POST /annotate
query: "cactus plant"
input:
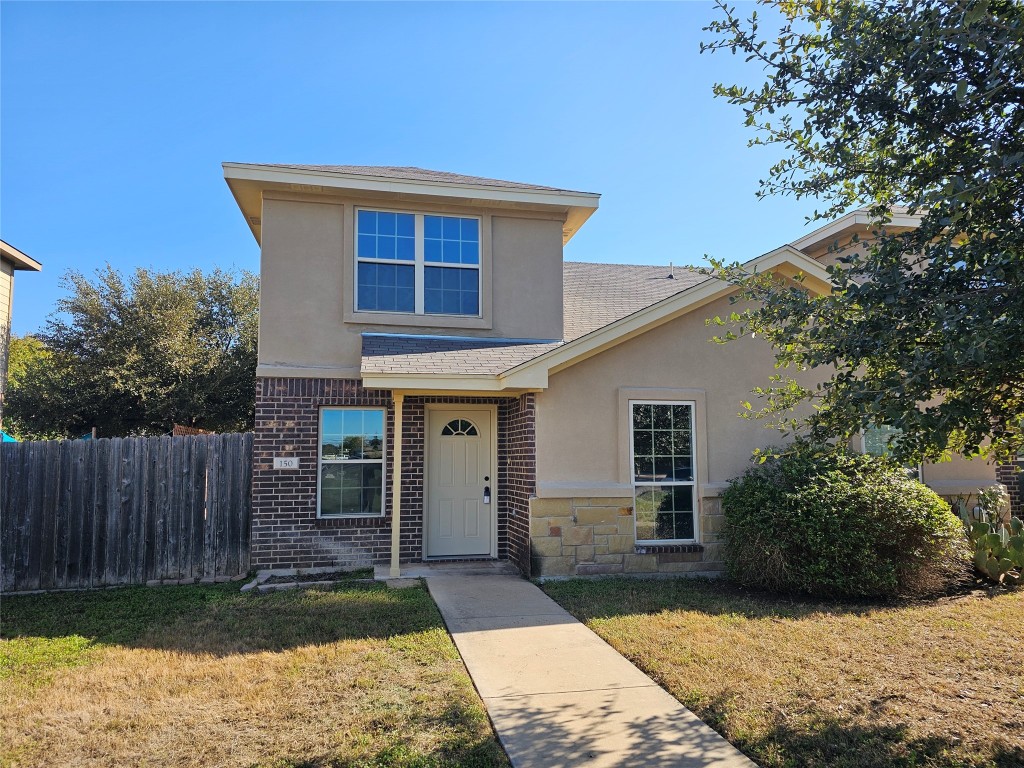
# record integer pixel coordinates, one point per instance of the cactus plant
(997, 538)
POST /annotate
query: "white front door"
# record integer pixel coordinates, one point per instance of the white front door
(460, 484)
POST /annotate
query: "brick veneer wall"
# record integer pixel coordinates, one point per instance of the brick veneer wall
(286, 532)
(517, 475)
(1012, 476)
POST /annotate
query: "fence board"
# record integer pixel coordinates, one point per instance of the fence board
(81, 514)
(100, 482)
(10, 531)
(50, 497)
(212, 516)
(245, 533)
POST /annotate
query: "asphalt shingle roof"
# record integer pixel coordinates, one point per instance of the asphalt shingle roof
(410, 173)
(598, 294)
(405, 354)
(595, 295)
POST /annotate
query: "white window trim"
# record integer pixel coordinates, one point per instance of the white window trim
(419, 263)
(692, 483)
(320, 461)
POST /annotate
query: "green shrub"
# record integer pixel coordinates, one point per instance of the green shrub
(833, 523)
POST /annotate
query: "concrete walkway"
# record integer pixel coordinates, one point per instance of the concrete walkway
(557, 694)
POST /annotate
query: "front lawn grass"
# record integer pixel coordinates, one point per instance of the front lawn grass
(803, 683)
(205, 676)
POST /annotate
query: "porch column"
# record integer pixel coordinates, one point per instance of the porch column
(396, 486)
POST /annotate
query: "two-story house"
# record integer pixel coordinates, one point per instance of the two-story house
(435, 383)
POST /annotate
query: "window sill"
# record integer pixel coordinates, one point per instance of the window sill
(662, 549)
(362, 521)
(410, 320)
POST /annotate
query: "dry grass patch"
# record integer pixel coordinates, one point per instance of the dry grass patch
(206, 676)
(791, 683)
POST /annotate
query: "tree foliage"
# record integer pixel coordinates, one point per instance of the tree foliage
(135, 355)
(911, 105)
(24, 352)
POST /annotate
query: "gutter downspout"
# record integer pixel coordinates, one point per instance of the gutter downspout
(396, 487)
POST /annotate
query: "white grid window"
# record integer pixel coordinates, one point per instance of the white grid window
(351, 462)
(423, 264)
(662, 459)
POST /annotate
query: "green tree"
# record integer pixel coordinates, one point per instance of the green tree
(24, 351)
(134, 355)
(878, 104)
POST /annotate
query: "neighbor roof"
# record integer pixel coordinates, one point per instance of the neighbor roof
(412, 173)
(17, 258)
(594, 296)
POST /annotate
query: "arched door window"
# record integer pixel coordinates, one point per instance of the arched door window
(459, 428)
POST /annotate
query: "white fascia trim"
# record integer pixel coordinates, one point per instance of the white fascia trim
(18, 259)
(668, 309)
(857, 218)
(467, 382)
(335, 180)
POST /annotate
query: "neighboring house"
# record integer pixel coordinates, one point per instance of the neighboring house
(426, 356)
(11, 259)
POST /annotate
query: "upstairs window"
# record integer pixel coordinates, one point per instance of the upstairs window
(421, 264)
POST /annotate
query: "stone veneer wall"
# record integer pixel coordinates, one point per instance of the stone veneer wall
(286, 532)
(595, 536)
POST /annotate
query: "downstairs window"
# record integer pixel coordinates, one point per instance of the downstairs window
(351, 462)
(662, 456)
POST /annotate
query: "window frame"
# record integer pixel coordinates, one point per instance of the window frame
(692, 483)
(320, 461)
(419, 264)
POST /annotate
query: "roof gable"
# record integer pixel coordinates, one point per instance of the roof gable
(538, 361)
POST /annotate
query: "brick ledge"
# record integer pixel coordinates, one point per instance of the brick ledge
(352, 522)
(662, 549)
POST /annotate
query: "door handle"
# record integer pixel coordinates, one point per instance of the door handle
(487, 494)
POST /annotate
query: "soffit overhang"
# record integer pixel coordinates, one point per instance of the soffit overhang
(249, 182)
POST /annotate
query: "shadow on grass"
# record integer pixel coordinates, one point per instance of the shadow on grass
(608, 598)
(838, 744)
(218, 619)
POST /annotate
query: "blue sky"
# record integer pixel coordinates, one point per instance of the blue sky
(115, 117)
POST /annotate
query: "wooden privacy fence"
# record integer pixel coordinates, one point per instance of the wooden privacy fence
(91, 513)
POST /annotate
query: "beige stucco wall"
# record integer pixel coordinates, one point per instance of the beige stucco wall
(582, 447)
(307, 316)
